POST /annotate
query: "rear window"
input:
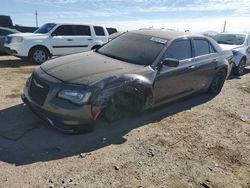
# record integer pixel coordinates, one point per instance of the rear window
(83, 30)
(99, 31)
(111, 30)
(202, 47)
(179, 50)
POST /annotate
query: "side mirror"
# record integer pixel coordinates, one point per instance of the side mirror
(170, 62)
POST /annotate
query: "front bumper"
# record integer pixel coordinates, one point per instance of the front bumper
(17, 49)
(59, 112)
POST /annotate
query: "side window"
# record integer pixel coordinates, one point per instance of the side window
(82, 30)
(211, 48)
(99, 31)
(4, 32)
(179, 50)
(64, 30)
(201, 47)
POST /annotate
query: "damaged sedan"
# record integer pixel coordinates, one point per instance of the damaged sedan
(134, 72)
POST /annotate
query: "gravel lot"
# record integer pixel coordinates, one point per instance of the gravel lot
(200, 142)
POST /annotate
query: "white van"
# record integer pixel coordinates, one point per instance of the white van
(55, 39)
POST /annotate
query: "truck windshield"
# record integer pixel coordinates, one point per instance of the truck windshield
(231, 39)
(45, 28)
(134, 48)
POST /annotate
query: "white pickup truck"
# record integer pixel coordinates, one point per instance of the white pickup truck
(55, 39)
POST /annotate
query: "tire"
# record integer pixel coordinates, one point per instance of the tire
(239, 70)
(122, 105)
(95, 47)
(38, 55)
(218, 81)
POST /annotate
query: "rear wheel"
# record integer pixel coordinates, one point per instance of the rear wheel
(38, 55)
(218, 81)
(239, 70)
(122, 105)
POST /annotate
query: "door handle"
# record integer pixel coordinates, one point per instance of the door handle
(191, 67)
(90, 39)
(69, 39)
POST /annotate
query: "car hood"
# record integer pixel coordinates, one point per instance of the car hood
(229, 47)
(87, 68)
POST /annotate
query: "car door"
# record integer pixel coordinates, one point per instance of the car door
(172, 83)
(69, 39)
(206, 59)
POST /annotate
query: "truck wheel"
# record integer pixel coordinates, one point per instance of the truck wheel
(218, 81)
(239, 70)
(38, 55)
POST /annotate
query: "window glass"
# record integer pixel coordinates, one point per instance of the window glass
(45, 28)
(211, 48)
(201, 47)
(133, 48)
(64, 30)
(179, 50)
(99, 31)
(82, 30)
(111, 30)
(231, 39)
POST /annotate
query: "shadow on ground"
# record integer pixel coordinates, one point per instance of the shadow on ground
(232, 77)
(9, 61)
(25, 139)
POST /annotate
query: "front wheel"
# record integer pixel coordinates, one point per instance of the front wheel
(122, 105)
(239, 70)
(38, 55)
(218, 81)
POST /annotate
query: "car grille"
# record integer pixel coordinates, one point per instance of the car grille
(38, 90)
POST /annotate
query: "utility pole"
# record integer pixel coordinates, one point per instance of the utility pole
(36, 18)
(224, 27)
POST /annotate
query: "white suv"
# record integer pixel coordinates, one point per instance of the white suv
(56, 39)
(239, 43)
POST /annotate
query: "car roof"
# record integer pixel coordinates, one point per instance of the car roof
(166, 34)
(77, 24)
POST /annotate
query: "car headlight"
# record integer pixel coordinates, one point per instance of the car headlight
(16, 39)
(75, 97)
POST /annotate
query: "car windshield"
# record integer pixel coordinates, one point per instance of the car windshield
(45, 28)
(134, 48)
(232, 39)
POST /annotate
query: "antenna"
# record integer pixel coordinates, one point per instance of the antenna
(36, 18)
(224, 26)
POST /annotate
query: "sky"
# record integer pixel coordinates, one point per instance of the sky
(196, 16)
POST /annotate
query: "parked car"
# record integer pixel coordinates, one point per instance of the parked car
(136, 71)
(239, 43)
(3, 33)
(56, 39)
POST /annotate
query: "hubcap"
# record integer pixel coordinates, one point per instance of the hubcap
(242, 66)
(39, 56)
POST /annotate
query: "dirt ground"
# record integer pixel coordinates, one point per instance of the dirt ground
(200, 142)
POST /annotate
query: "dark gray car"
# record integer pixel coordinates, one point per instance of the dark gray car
(134, 72)
(3, 33)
